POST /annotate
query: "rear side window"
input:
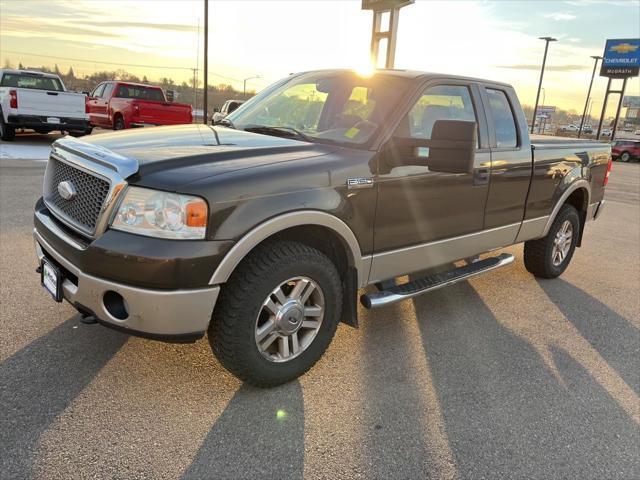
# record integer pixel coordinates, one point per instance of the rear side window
(140, 93)
(503, 121)
(34, 82)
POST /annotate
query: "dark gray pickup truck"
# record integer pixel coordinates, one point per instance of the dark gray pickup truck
(261, 230)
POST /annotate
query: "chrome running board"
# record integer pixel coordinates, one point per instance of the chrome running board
(422, 285)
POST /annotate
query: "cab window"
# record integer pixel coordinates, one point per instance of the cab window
(441, 102)
(503, 121)
(98, 91)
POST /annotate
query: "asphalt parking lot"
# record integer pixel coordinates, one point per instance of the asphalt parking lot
(504, 376)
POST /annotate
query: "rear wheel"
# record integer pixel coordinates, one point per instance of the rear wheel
(118, 123)
(549, 256)
(625, 156)
(7, 132)
(277, 313)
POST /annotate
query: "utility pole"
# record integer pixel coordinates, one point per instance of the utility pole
(544, 61)
(206, 59)
(586, 103)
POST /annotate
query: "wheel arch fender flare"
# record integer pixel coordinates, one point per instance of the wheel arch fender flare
(282, 222)
(577, 184)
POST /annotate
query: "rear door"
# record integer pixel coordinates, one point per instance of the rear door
(422, 215)
(511, 157)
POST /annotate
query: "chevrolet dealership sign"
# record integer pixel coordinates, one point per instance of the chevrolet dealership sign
(621, 58)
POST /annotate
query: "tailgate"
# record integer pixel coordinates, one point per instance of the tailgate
(51, 104)
(164, 113)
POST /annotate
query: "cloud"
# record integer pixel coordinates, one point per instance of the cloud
(550, 68)
(559, 16)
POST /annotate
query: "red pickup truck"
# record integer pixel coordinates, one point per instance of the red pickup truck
(121, 105)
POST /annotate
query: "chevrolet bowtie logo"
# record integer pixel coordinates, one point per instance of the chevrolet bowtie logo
(624, 48)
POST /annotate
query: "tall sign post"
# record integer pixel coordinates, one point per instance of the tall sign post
(586, 103)
(380, 32)
(621, 60)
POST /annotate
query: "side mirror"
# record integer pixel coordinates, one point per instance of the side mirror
(216, 110)
(217, 116)
(451, 148)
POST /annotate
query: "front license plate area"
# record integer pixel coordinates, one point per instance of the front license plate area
(51, 280)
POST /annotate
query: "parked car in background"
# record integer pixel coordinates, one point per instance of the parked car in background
(121, 105)
(263, 229)
(637, 132)
(606, 132)
(569, 128)
(588, 129)
(39, 101)
(625, 150)
(228, 107)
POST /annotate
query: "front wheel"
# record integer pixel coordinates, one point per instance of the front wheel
(277, 313)
(625, 157)
(549, 256)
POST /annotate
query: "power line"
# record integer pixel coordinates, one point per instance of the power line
(96, 61)
(119, 64)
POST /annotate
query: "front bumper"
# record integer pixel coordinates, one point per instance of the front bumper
(35, 121)
(171, 315)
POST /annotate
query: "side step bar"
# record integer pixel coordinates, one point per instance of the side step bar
(433, 282)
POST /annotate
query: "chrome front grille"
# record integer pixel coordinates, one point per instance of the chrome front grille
(82, 211)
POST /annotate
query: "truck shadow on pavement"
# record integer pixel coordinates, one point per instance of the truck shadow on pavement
(504, 413)
(260, 434)
(612, 335)
(38, 382)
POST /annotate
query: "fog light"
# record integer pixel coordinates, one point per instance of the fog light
(115, 304)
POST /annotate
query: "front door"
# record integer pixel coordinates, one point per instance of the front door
(423, 218)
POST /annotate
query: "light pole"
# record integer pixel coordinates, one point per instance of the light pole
(544, 61)
(244, 85)
(595, 64)
(543, 104)
(205, 105)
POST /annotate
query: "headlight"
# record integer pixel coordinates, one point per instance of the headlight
(161, 214)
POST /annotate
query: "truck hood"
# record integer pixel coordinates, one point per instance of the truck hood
(168, 157)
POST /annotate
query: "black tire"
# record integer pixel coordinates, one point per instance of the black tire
(118, 123)
(232, 332)
(538, 254)
(7, 132)
(625, 156)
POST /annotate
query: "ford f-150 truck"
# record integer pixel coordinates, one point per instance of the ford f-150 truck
(262, 230)
(39, 101)
(121, 105)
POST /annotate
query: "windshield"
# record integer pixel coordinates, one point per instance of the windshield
(332, 107)
(31, 81)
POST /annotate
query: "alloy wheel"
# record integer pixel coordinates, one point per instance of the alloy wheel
(562, 243)
(289, 319)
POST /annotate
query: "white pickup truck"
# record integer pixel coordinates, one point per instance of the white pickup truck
(39, 101)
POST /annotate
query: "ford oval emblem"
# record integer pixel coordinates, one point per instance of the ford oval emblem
(67, 190)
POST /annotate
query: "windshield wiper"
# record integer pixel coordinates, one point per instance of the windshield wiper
(269, 130)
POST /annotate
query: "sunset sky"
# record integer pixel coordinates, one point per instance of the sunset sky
(489, 39)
